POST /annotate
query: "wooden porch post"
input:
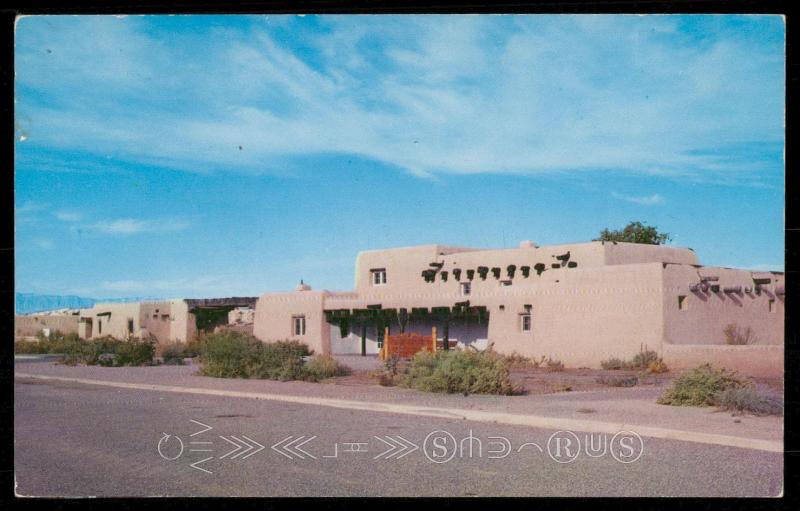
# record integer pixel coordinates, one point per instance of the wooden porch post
(364, 340)
(386, 352)
(433, 339)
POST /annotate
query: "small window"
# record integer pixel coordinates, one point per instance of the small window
(130, 326)
(502, 307)
(466, 288)
(772, 305)
(165, 317)
(378, 276)
(99, 326)
(525, 322)
(682, 302)
(505, 282)
(299, 325)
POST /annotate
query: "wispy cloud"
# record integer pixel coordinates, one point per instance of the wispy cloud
(44, 243)
(213, 285)
(453, 94)
(643, 200)
(68, 216)
(130, 226)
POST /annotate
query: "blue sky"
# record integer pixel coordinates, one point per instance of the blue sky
(190, 156)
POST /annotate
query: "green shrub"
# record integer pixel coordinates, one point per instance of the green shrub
(134, 352)
(28, 347)
(173, 353)
(749, 399)
(230, 354)
(323, 366)
(459, 371)
(700, 386)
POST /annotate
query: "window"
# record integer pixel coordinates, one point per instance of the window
(130, 326)
(466, 288)
(525, 322)
(378, 276)
(772, 305)
(99, 326)
(299, 325)
(505, 282)
(682, 302)
(165, 317)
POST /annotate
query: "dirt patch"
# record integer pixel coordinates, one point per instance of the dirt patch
(542, 381)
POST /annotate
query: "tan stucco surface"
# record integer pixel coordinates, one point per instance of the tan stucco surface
(602, 300)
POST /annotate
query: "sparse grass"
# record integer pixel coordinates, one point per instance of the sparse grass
(554, 366)
(644, 360)
(459, 371)
(618, 381)
(737, 336)
(701, 386)
(749, 400)
(321, 367)
(614, 364)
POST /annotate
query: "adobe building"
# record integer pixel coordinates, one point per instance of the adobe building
(162, 321)
(580, 303)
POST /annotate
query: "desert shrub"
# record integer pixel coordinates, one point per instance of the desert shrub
(173, 353)
(554, 365)
(134, 352)
(749, 399)
(459, 371)
(657, 367)
(194, 346)
(700, 386)
(643, 359)
(618, 381)
(106, 351)
(231, 354)
(28, 347)
(228, 354)
(613, 363)
(737, 336)
(321, 367)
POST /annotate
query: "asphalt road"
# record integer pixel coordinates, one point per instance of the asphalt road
(81, 440)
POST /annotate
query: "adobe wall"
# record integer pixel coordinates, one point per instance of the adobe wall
(273, 319)
(706, 313)
(31, 325)
(756, 360)
(583, 316)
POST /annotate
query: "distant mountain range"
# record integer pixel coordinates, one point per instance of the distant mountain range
(28, 303)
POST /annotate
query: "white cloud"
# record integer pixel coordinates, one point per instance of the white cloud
(644, 200)
(68, 216)
(453, 94)
(129, 226)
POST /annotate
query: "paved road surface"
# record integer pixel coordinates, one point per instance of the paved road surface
(81, 440)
